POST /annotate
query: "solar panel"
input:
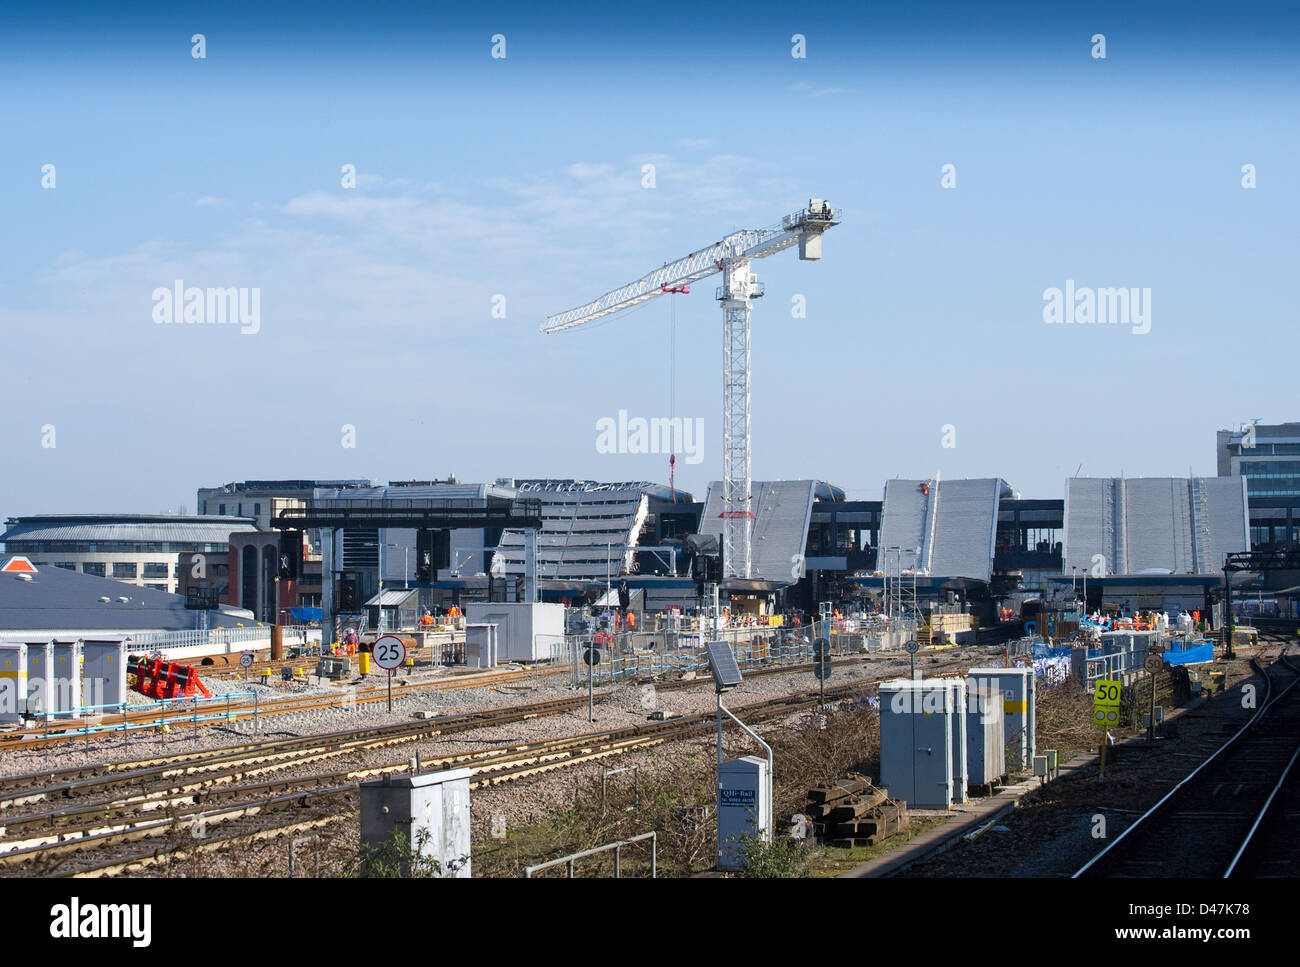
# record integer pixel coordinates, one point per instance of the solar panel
(726, 673)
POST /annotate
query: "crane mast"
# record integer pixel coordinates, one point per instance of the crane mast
(736, 295)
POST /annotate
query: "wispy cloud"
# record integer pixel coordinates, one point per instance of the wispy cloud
(803, 87)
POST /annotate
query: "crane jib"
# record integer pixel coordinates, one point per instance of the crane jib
(675, 276)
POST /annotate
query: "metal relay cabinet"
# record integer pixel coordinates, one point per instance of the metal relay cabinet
(960, 758)
(104, 668)
(66, 678)
(481, 645)
(916, 741)
(1018, 689)
(41, 699)
(13, 682)
(986, 746)
(431, 811)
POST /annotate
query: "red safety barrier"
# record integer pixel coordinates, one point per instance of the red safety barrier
(165, 679)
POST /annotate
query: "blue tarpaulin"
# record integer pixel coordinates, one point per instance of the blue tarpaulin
(305, 614)
(1191, 656)
(1041, 650)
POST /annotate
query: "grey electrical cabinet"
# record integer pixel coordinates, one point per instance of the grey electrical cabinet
(916, 741)
(481, 645)
(960, 763)
(1019, 723)
(429, 811)
(13, 682)
(104, 668)
(40, 679)
(67, 678)
(986, 757)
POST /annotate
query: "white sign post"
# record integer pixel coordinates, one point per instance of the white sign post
(388, 652)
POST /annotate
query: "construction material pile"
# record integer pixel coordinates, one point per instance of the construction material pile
(852, 812)
(164, 679)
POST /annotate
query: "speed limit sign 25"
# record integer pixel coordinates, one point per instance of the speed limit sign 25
(388, 652)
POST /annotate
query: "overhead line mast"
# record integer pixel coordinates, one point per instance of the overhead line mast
(739, 289)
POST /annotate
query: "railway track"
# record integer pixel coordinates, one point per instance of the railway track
(243, 710)
(250, 758)
(1226, 811)
(162, 804)
(262, 756)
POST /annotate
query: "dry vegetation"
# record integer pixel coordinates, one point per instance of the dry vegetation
(675, 798)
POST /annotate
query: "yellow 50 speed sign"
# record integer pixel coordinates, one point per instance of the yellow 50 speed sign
(1105, 703)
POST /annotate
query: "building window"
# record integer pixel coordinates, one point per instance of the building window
(157, 587)
(257, 509)
(93, 568)
(222, 509)
(67, 565)
(155, 570)
(125, 570)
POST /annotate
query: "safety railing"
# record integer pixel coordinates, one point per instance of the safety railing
(220, 638)
(616, 848)
(1104, 667)
(194, 710)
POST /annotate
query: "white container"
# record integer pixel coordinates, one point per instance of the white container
(525, 632)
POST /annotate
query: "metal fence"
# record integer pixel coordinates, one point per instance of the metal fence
(1127, 660)
(679, 648)
(222, 639)
(194, 710)
(617, 849)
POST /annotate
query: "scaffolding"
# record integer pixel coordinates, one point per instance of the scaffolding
(900, 586)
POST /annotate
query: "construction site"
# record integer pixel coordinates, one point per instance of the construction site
(463, 666)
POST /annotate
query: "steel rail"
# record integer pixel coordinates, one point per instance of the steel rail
(1269, 701)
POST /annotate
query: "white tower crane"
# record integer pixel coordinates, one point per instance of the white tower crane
(739, 288)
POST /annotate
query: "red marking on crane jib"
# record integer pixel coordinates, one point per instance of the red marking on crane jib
(735, 513)
(683, 289)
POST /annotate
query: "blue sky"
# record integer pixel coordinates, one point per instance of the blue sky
(522, 177)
